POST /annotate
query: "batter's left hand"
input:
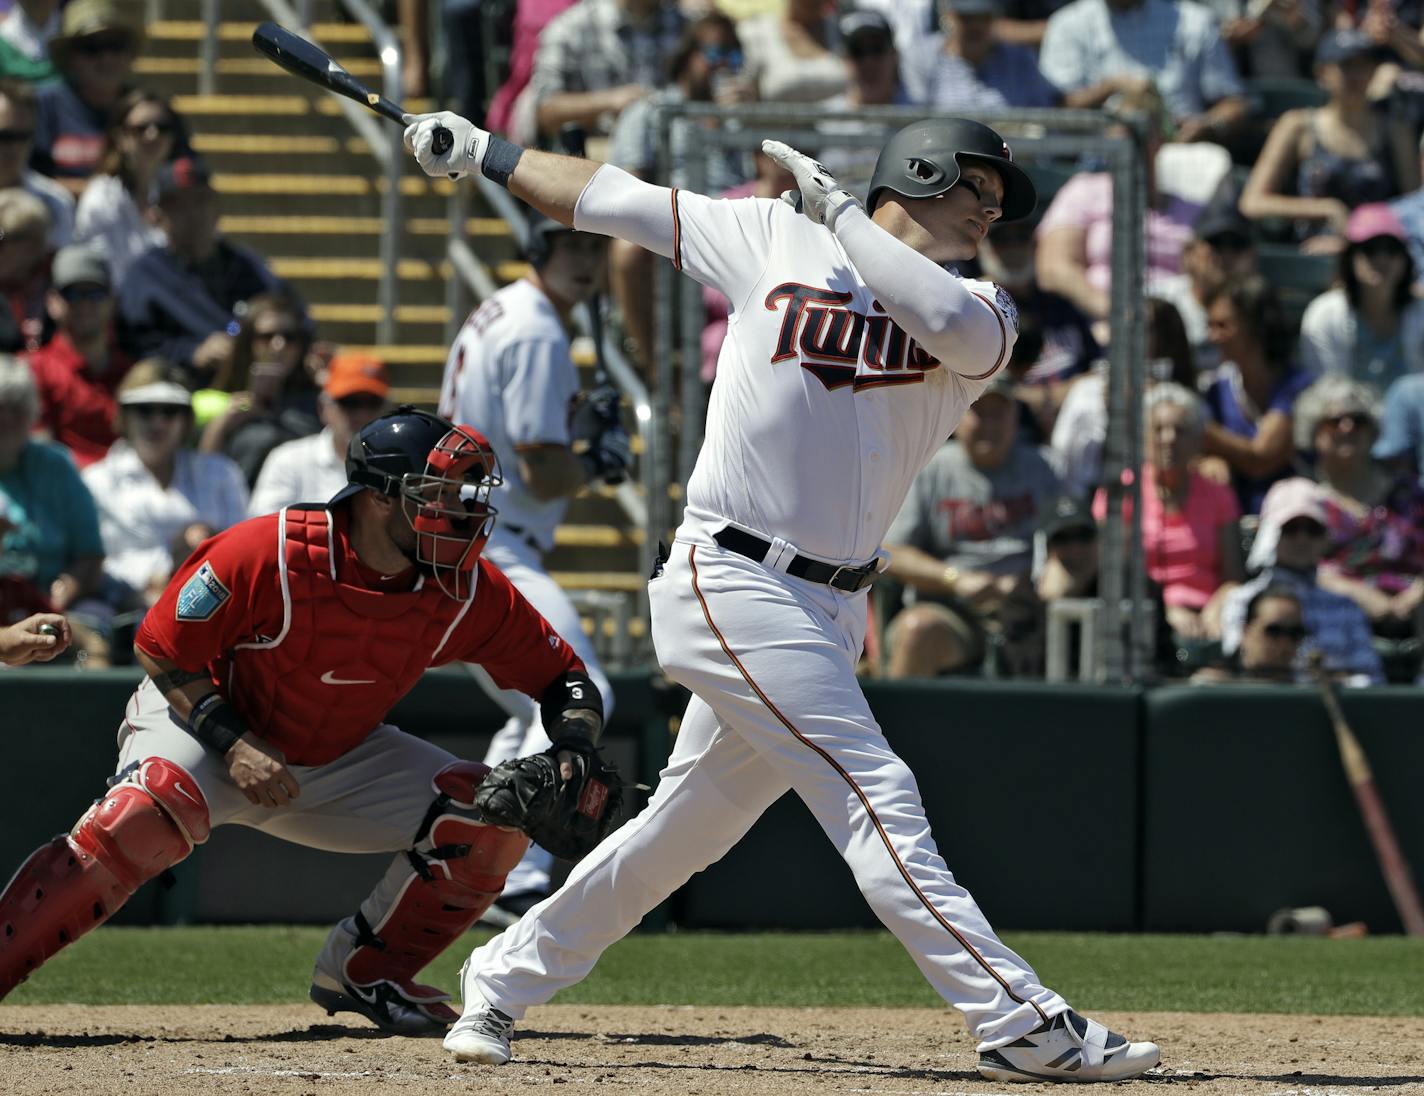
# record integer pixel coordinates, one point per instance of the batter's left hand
(820, 197)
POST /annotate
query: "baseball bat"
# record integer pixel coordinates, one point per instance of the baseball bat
(312, 63)
(1361, 777)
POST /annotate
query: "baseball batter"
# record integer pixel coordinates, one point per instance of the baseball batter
(850, 356)
(510, 373)
(271, 657)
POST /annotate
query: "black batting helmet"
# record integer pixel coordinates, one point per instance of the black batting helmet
(542, 231)
(443, 473)
(923, 160)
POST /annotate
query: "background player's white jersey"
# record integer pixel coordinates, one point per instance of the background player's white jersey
(824, 409)
(509, 375)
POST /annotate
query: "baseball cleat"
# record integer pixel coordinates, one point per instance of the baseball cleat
(413, 1010)
(1069, 1048)
(482, 1033)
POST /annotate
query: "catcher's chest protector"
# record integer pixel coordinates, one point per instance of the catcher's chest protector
(346, 655)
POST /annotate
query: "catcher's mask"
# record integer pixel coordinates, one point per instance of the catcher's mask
(443, 475)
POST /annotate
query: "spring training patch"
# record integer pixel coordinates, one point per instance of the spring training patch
(1007, 306)
(202, 595)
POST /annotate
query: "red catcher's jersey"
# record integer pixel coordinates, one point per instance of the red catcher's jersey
(276, 610)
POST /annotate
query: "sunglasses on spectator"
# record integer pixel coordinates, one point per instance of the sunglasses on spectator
(361, 401)
(1085, 535)
(1230, 241)
(875, 47)
(16, 136)
(721, 55)
(143, 129)
(1294, 632)
(1298, 526)
(96, 44)
(1354, 418)
(1381, 247)
(156, 410)
(290, 334)
(76, 293)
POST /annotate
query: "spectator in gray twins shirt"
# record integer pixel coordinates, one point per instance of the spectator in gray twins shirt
(963, 545)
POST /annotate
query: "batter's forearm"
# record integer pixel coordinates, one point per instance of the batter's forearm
(929, 303)
(551, 183)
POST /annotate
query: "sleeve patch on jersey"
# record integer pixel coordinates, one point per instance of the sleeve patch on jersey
(202, 595)
(1006, 305)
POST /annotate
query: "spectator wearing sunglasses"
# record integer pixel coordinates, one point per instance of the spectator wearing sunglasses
(272, 385)
(1270, 642)
(705, 67)
(968, 68)
(1375, 555)
(17, 135)
(313, 468)
(1291, 542)
(1222, 249)
(181, 301)
(157, 498)
(94, 54)
(1371, 325)
(78, 371)
(115, 211)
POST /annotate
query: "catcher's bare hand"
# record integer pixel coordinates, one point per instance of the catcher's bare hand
(259, 769)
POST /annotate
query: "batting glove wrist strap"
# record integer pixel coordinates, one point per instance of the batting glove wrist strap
(213, 723)
(500, 159)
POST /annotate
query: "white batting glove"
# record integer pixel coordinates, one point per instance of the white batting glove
(465, 154)
(819, 196)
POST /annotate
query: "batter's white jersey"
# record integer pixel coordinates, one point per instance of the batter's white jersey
(510, 376)
(824, 409)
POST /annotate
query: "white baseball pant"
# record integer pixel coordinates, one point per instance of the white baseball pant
(771, 661)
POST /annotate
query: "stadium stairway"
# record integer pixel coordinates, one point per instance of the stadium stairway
(297, 184)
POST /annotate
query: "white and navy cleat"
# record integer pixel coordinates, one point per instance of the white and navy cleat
(1068, 1048)
(482, 1033)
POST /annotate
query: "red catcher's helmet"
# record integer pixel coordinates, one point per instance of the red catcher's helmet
(443, 475)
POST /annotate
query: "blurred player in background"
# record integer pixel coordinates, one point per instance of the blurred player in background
(510, 374)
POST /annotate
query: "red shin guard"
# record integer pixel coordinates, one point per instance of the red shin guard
(148, 821)
(458, 868)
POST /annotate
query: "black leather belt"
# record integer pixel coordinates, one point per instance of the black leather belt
(845, 578)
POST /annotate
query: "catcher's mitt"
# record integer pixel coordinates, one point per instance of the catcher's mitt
(567, 818)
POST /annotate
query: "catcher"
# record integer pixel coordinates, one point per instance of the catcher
(271, 657)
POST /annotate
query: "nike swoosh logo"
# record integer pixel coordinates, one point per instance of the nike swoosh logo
(186, 794)
(328, 679)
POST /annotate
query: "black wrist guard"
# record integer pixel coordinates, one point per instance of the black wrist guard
(575, 691)
(501, 158)
(214, 723)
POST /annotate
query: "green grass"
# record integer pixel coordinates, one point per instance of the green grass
(271, 964)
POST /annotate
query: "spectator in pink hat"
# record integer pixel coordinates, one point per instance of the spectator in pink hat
(1290, 544)
(1370, 326)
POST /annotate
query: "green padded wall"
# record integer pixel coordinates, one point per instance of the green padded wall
(1247, 811)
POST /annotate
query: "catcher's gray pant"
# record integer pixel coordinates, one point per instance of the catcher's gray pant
(771, 661)
(371, 799)
(523, 733)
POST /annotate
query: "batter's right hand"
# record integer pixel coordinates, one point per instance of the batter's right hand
(260, 772)
(465, 154)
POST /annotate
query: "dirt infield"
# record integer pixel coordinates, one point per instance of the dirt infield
(294, 1051)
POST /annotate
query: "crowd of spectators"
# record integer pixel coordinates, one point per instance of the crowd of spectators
(150, 369)
(1282, 438)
